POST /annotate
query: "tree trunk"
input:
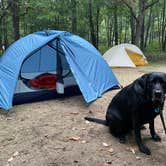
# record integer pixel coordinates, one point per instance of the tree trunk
(6, 43)
(132, 25)
(74, 15)
(91, 25)
(148, 28)
(97, 26)
(15, 18)
(143, 6)
(142, 35)
(126, 30)
(109, 31)
(151, 30)
(163, 41)
(139, 22)
(120, 29)
(0, 41)
(115, 25)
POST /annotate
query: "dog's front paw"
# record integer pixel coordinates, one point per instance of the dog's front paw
(156, 138)
(145, 149)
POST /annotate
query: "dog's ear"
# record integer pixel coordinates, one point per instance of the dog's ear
(140, 84)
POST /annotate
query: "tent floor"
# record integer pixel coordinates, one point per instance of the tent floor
(29, 97)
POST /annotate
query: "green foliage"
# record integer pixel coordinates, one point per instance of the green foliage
(57, 14)
(155, 56)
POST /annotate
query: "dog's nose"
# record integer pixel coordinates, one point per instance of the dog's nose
(158, 93)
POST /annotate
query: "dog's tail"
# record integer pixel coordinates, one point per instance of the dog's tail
(99, 121)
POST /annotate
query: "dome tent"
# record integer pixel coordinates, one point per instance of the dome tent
(125, 55)
(46, 52)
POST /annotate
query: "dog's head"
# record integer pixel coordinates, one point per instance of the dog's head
(153, 86)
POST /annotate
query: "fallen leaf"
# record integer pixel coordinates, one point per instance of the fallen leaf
(101, 149)
(10, 159)
(74, 113)
(46, 135)
(109, 162)
(138, 158)
(90, 112)
(75, 138)
(87, 122)
(111, 150)
(74, 128)
(83, 142)
(75, 161)
(9, 118)
(105, 144)
(132, 150)
(15, 154)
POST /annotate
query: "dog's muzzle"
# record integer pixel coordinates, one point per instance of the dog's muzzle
(158, 96)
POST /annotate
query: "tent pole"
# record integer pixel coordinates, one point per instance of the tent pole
(59, 83)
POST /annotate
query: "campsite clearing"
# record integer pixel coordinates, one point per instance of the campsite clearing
(54, 133)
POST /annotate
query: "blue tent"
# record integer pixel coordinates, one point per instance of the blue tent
(52, 52)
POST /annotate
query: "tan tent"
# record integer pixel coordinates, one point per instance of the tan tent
(125, 55)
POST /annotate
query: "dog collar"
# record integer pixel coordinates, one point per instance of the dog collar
(156, 110)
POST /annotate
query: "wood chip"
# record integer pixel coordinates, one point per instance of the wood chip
(138, 158)
(74, 113)
(10, 159)
(15, 154)
(132, 150)
(9, 118)
(75, 138)
(83, 142)
(111, 150)
(109, 162)
(105, 144)
(74, 128)
(75, 161)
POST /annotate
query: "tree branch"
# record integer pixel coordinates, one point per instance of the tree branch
(151, 4)
(131, 9)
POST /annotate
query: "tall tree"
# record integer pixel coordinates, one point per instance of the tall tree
(4, 6)
(91, 24)
(115, 24)
(148, 27)
(15, 17)
(164, 26)
(74, 15)
(143, 5)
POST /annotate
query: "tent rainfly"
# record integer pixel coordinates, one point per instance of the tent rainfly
(125, 55)
(32, 67)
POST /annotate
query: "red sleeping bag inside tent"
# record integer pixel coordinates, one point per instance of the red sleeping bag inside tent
(44, 81)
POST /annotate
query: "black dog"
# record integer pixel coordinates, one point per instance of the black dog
(135, 105)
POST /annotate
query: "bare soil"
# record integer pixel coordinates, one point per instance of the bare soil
(54, 133)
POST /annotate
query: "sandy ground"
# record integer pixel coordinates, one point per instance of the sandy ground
(54, 133)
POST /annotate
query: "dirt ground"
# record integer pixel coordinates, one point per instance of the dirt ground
(54, 133)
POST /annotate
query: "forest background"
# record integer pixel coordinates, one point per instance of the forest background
(104, 23)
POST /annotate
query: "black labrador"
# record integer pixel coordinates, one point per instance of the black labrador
(135, 105)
